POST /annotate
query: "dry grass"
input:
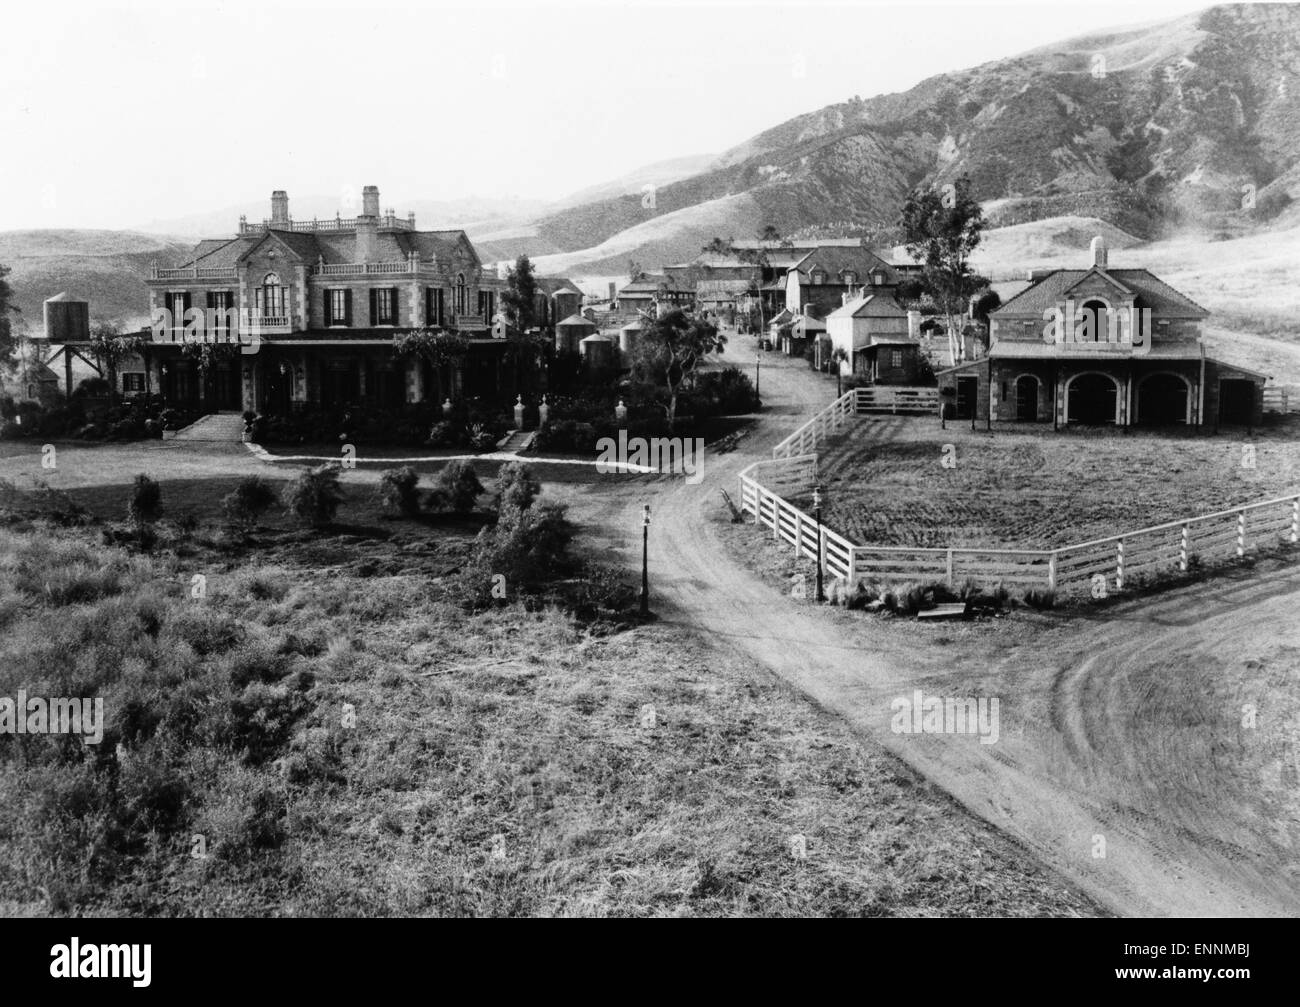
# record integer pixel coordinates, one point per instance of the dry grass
(226, 719)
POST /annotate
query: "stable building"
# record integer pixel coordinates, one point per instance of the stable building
(1101, 346)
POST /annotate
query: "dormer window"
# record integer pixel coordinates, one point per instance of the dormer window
(818, 277)
(850, 277)
(878, 278)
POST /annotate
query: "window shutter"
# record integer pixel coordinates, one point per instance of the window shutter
(347, 308)
(374, 306)
(392, 304)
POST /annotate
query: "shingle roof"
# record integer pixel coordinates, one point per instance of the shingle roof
(835, 259)
(1047, 292)
(333, 246)
(552, 285)
(869, 306)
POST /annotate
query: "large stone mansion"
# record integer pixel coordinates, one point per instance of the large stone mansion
(324, 300)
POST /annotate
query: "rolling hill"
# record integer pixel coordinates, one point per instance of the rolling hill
(1155, 129)
(105, 268)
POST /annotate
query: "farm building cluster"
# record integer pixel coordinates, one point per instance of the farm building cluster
(326, 299)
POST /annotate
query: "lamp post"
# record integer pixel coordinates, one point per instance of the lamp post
(645, 561)
(817, 514)
(758, 366)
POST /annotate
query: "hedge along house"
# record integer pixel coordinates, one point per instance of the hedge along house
(1101, 346)
(326, 298)
(874, 333)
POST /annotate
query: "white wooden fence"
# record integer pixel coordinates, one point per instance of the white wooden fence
(857, 402)
(1164, 548)
(1275, 400)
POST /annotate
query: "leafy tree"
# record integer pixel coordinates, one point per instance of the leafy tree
(838, 356)
(520, 296)
(940, 230)
(719, 246)
(109, 348)
(635, 271)
(8, 344)
(671, 349)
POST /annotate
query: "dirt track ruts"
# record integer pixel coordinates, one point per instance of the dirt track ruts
(1167, 857)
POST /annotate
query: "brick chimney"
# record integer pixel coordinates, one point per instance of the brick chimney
(280, 207)
(1099, 252)
(367, 224)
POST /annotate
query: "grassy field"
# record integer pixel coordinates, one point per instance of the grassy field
(884, 482)
(498, 763)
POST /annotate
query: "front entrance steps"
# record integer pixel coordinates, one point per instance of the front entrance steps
(516, 441)
(226, 427)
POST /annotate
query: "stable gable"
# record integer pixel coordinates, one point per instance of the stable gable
(1096, 282)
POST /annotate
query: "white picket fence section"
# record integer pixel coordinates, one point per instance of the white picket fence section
(791, 524)
(1164, 548)
(822, 425)
(897, 399)
(857, 402)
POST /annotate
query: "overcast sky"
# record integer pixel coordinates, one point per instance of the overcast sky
(114, 117)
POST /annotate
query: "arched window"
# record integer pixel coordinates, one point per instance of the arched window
(1094, 322)
(270, 296)
(462, 294)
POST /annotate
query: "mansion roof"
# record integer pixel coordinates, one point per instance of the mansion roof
(332, 246)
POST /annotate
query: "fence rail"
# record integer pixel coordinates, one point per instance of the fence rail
(895, 399)
(857, 402)
(1275, 400)
(1175, 546)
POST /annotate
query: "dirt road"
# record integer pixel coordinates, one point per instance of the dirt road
(1139, 815)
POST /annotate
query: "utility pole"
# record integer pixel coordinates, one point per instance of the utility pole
(817, 514)
(645, 561)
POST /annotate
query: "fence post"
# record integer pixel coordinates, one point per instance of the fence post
(1241, 533)
(1051, 571)
(821, 547)
(776, 518)
(1182, 549)
(1295, 520)
(1119, 565)
(798, 533)
(950, 567)
(853, 568)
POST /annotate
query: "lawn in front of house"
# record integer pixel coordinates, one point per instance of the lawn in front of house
(885, 481)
